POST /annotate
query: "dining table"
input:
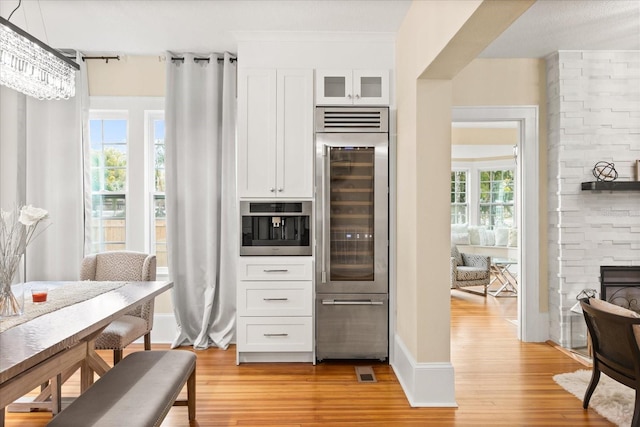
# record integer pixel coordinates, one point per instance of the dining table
(46, 344)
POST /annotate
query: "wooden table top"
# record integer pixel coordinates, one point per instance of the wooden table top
(27, 344)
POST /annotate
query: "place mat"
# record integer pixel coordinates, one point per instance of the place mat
(59, 297)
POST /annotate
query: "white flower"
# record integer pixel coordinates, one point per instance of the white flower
(30, 215)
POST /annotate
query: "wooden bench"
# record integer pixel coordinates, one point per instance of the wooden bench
(137, 392)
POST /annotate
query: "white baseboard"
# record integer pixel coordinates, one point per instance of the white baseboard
(165, 329)
(424, 384)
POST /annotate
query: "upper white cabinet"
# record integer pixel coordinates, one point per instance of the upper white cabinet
(352, 87)
(275, 133)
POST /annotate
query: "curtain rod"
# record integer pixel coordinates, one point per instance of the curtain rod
(232, 60)
(105, 58)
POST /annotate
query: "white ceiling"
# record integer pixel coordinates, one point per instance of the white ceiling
(140, 27)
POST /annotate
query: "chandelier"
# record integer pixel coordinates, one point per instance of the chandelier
(33, 67)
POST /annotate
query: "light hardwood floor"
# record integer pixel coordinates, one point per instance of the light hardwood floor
(499, 382)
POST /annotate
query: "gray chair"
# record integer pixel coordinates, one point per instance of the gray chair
(469, 270)
(123, 266)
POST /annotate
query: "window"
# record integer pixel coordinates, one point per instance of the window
(127, 175)
(108, 138)
(159, 220)
(496, 198)
(459, 205)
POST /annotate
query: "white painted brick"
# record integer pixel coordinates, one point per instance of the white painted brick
(596, 118)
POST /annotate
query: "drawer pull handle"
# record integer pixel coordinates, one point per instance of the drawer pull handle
(276, 335)
(275, 299)
(351, 302)
(276, 271)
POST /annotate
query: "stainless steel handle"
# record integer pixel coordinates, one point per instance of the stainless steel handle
(276, 335)
(275, 270)
(325, 212)
(351, 302)
(275, 299)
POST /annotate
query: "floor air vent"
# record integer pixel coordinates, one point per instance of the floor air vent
(365, 374)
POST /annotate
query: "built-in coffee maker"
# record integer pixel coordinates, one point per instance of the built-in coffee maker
(275, 228)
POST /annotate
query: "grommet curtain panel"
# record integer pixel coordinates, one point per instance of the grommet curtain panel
(202, 222)
(43, 142)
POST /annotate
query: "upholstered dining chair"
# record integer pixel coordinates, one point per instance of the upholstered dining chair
(469, 270)
(123, 266)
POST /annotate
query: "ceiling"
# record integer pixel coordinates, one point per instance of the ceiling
(149, 27)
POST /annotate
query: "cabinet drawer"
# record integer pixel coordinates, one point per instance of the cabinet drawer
(275, 268)
(272, 334)
(269, 298)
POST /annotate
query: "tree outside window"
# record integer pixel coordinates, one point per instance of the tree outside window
(497, 198)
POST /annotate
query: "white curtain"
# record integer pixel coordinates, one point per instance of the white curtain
(202, 223)
(50, 137)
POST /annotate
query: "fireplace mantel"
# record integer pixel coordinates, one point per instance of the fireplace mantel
(611, 186)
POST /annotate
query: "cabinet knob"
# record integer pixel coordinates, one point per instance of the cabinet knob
(272, 189)
(349, 96)
(280, 190)
(357, 96)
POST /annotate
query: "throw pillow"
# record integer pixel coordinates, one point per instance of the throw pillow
(474, 234)
(460, 238)
(489, 238)
(459, 228)
(502, 236)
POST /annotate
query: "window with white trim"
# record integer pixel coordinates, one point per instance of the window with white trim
(496, 198)
(459, 197)
(108, 136)
(127, 175)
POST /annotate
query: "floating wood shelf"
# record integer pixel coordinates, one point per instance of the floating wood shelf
(611, 186)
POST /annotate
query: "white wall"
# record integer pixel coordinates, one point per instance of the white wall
(594, 115)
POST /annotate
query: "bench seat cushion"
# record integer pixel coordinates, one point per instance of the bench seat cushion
(137, 392)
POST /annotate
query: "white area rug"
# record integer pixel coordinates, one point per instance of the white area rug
(612, 400)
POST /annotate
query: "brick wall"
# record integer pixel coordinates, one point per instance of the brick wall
(593, 101)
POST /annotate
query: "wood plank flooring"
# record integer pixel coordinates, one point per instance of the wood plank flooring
(499, 382)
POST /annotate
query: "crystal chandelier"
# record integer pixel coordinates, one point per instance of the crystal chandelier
(32, 67)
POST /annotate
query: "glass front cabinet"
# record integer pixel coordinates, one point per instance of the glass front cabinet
(352, 87)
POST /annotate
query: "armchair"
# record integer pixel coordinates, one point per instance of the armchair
(123, 266)
(469, 270)
(615, 340)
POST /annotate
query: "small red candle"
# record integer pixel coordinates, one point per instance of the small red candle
(40, 296)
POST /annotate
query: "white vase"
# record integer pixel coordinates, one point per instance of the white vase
(11, 287)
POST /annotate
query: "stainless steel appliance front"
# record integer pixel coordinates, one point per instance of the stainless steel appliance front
(275, 228)
(352, 326)
(352, 201)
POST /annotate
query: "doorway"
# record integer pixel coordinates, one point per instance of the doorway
(532, 323)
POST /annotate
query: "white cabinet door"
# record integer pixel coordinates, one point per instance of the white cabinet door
(334, 87)
(275, 133)
(371, 87)
(256, 133)
(352, 87)
(294, 140)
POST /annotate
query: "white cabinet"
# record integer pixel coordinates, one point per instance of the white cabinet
(352, 87)
(275, 133)
(275, 309)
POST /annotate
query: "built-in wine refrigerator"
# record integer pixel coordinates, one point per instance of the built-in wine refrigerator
(352, 200)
